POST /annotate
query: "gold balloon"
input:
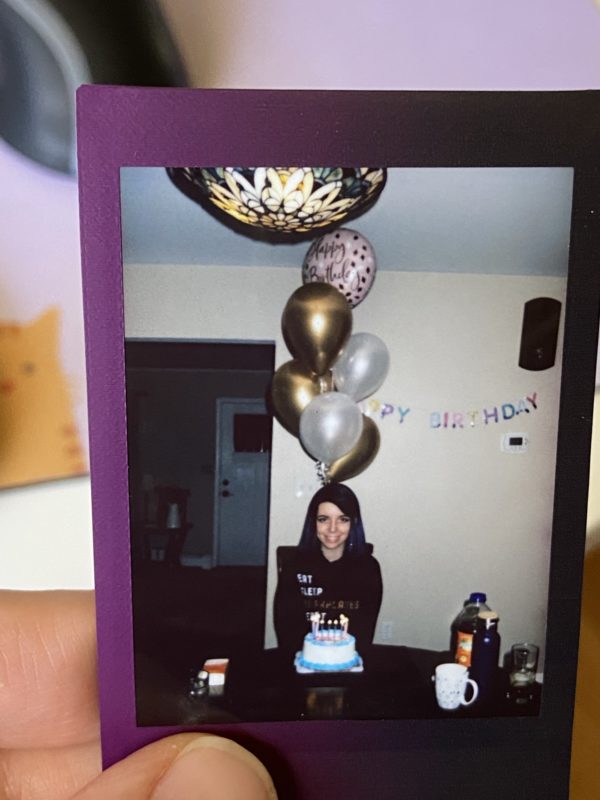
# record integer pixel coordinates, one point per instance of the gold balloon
(292, 389)
(316, 322)
(361, 455)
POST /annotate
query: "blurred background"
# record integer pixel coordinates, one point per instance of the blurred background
(49, 48)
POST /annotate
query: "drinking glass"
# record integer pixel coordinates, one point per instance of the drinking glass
(523, 664)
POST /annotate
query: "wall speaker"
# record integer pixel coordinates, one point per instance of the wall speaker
(539, 335)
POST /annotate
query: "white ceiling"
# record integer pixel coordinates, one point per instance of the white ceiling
(491, 221)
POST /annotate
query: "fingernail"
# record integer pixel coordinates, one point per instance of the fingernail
(213, 768)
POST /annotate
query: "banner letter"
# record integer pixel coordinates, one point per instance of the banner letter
(522, 407)
(533, 399)
(387, 409)
(493, 414)
(403, 412)
(374, 405)
(508, 410)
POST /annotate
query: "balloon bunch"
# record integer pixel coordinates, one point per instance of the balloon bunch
(315, 395)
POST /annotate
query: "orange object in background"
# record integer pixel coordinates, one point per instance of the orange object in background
(217, 674)
(39, 439)
(585, 776)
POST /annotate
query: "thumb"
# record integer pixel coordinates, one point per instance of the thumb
(185, 767)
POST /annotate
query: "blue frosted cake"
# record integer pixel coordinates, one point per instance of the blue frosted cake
(328, 647)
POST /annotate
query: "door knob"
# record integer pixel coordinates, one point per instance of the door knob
(226, 493)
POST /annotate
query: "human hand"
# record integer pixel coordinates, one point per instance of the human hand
(49, 726)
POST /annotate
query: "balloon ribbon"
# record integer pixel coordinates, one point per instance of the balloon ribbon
(322, 472)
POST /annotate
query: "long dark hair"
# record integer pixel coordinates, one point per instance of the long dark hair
(345, 499)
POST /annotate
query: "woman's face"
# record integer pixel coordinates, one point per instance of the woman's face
(333, 529)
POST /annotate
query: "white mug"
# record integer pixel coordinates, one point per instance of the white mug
(451, 682)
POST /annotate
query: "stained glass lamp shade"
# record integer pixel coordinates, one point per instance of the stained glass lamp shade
(283, 200)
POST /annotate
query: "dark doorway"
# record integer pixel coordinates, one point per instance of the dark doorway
(198, 436)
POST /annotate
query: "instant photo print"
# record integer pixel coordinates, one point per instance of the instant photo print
(409, 311)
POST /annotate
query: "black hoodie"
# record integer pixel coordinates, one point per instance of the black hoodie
(309, 582)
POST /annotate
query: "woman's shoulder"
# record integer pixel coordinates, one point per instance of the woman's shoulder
(370, 569)
(365, 561)
(293, 557)
(366, 552)
(365, 570)
(297, 559)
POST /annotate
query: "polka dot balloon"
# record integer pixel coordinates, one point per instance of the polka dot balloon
(345, 260)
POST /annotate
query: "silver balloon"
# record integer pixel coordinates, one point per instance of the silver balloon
(330, 426)
(362, 366)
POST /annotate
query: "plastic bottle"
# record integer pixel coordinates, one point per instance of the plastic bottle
(485, 656)
(463, 628)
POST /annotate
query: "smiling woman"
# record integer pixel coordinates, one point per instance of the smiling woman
(331, 573)
(333, 529)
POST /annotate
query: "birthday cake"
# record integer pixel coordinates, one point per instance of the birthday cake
(328, 647)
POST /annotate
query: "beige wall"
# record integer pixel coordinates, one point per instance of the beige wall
(446, 510)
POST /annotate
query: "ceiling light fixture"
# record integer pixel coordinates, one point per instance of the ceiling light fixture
(294, 202)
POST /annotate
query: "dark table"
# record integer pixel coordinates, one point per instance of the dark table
(395, 684)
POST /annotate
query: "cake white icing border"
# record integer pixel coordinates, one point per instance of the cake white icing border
(303, 667)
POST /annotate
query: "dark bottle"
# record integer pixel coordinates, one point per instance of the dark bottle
(463, 628)
(485, 657)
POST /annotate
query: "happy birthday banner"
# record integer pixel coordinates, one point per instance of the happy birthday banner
(493, 414)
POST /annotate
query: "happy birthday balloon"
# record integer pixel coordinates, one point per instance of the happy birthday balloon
(345, 260)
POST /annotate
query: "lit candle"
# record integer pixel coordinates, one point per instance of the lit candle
(314, 618)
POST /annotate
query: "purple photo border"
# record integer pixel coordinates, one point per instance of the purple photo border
(120, 126)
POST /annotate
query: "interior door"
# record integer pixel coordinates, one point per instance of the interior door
(243, 453)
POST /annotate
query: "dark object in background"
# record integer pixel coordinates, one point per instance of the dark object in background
(174, 525)
(252, 433)
(50, 47)
(485, 657)
(541, 318)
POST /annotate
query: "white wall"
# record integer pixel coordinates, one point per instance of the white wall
(389, 44)
(447, 512)
(46, 540)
